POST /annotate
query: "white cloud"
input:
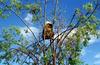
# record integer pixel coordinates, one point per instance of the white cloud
(92, 40)
(97, 62)
(83, 52)
(72, 32)
(29, 34)
(97, 56)
(28, 18)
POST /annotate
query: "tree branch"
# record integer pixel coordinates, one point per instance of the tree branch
(78, 23)
(80, 20)
(22, 21)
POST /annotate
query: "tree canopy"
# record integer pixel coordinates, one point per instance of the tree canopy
(69, 37)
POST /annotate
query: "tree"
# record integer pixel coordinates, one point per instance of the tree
(64, 49)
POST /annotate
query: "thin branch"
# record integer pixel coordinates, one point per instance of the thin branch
(80, 20)
(65, 30)
(54, 50)
(68, 25)
(22, 21)
(45, 11)
(30, 54)
(61, 32)
(78, 23)
(55, 11)
(25, 59)
(45, 2)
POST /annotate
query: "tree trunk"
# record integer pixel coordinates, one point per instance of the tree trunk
(54, 55)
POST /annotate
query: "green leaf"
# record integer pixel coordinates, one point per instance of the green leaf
(17, 31)
(78, 12)
(88, 7)
(1, 12)
(28, 6)
(18, 6)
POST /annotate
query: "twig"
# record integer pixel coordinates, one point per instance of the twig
(65, 30)
(55, 11)
(78, 23)
(22, 21)
(80, 20)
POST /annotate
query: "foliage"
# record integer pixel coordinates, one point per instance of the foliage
(14, 47)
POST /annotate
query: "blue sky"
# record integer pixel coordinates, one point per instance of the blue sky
(91, 54)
